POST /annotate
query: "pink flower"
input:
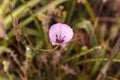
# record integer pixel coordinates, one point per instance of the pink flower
(60, 34)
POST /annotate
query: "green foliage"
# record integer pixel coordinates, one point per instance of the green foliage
(27, 54)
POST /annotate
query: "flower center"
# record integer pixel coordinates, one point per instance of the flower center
(59, 39)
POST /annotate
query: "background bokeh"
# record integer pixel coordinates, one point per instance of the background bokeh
(26, 52)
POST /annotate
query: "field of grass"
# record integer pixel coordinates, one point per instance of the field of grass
(28, 53)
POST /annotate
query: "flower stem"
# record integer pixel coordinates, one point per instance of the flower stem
(96, 60)
(48, 50)
(83, 53)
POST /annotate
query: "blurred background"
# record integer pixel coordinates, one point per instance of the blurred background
(26, 52)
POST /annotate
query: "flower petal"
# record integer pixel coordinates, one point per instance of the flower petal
(67, 32)
(62, 31)
(53, 31)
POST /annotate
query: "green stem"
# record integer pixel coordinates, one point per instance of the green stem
(26, 21)
(40, 28)
(32, 14)
(48, 50)
(8, 74)
(102, 54)
(108, 63)
(3, 6)
(113, 53)
(90, 11)
(96, 60)
(84, 53)
(42, 10)
(71, 10)
(52, 4)
(21, 9)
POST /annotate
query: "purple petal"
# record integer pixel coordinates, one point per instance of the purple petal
(67, 32)
(63, 31)
(53, 31)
